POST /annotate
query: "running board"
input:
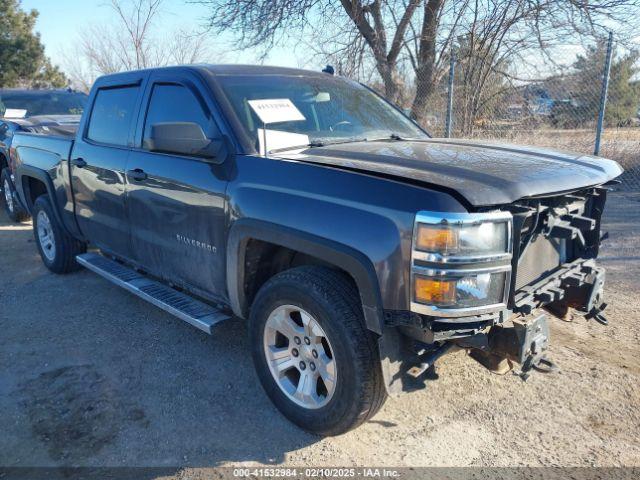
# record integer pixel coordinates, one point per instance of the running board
(195, 312)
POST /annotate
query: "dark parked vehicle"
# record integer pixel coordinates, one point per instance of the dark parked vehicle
(359, 249)
(48, 112)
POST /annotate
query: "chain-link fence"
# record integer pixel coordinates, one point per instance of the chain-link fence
(586, 100)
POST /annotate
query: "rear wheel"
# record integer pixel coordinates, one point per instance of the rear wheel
(11, 206)
(57, 248)
(313, 354)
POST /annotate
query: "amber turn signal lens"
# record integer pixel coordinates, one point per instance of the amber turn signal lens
(434, 291)
(436, 239)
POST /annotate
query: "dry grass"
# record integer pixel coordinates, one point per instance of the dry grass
(620, 144)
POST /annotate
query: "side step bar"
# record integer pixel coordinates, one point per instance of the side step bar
(195, 312)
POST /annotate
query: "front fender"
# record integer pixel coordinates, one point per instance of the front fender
(361, 223)
(355, 263)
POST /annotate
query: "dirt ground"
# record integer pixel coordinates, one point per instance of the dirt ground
(91, 375)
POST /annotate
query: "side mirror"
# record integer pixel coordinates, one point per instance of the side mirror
(185, 138)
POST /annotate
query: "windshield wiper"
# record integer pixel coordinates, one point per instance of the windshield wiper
(317, 144)
(337, 142)
(392, 136)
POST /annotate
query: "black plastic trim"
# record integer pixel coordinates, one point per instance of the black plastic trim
(346, 258)
(27, 171)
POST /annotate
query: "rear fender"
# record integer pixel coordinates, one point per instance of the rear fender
(22, 186)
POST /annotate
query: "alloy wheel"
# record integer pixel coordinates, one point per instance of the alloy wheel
(8, 197)
(300, 357)
(45, 236)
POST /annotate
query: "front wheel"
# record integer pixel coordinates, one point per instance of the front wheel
(57, 248)
(11, 206)
(313, 354)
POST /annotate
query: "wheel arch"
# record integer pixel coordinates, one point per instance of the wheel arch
(34, 182)
(342, 257)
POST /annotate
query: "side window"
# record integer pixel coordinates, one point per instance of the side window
(111, 115)
(176, 103)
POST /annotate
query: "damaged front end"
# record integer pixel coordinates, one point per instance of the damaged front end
(487, 282)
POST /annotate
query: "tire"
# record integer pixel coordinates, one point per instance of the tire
(57, 248)
(13, 209)
(355, 390)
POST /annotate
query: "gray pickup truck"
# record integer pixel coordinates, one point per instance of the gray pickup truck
(358, 248)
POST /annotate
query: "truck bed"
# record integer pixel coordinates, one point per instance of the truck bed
(42, 151)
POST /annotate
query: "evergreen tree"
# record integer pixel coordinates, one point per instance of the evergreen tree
(22, 59)
(624, 95)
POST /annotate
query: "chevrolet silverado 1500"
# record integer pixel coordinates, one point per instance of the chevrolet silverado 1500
(358, 248)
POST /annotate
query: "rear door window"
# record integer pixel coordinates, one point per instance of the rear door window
(172, 103)
(111, 116)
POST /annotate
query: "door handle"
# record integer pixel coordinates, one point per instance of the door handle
(78, 162)
(137, 174)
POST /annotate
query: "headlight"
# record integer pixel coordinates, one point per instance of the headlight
(473, 290)
(466, 240)
(461, 263)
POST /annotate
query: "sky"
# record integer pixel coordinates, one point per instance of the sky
(60, 22)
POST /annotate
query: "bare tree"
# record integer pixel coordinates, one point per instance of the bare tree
(131, 43)
(396, 35)
(137, 21)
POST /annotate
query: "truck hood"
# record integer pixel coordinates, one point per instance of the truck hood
(64, 125)
(484, 174)
(48, 119)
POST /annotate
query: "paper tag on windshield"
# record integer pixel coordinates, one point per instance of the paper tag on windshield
(276, 110)
(15, 113)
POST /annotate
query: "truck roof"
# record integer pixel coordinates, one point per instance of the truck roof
(230, 69)
(259, 70)
(37, 91)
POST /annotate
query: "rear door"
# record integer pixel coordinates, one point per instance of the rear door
(98, 162)
(176, 204)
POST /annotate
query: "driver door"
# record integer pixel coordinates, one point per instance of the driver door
(176, 203)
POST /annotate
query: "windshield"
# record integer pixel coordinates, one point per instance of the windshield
(42, 102)
(333, 110)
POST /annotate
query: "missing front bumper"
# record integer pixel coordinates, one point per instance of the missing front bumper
(578, 284)
(411, 343)
(524, 342)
